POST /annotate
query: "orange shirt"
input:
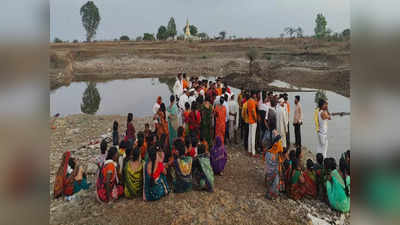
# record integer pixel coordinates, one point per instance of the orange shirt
(219, 91)
(185, 84)
(287, 107)
(251, 108)
(109, 167)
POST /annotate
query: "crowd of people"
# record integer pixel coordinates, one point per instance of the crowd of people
(184, 147)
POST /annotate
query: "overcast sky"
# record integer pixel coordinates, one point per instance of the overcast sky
(243, 18)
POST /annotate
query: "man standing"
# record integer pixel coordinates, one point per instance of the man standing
(156, 105)
(297, 120)
(252, 113)
(287, 108)
(181, 105)
(178, 86)
(226, 105)
(281, 121)
(245, 116)
(233, 119)
(323, 118)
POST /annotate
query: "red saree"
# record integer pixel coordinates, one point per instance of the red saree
(220, 112)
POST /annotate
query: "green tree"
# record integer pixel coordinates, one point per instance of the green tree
(222, 34)
(346, 33)
(139, 38)
(75, 41)
(290, 31)
(252, 55)
(171, 28)
(148, 37)
(320, 94)
(193, 30)
(90, 99)
(57, 40)
(124, 38)
(320, 26)
(203, 36)
(162, 33)
(90, 19)
(299, 32)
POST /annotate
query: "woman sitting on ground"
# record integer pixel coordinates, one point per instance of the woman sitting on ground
(301, 182)
(133, 174)
(182, 173)
(218, 156)
(70, 177)
(108, 186)
(203, 175)
(338, 187)
(155, 184)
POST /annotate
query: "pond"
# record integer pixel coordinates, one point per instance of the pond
(138, 96)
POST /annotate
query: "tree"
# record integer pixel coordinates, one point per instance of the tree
(252, 55)
(203, 36)
(90, 99)
(320, 26)
(320, 94)
(139, 38)
(57, 40)
(148, 37)
(162, 33)
(290, 31)
(346, 34)
(222, 34)
(171, 28)
(299, 32)
(124, 38)
(90, 19)
(75, 41)
(192, 28)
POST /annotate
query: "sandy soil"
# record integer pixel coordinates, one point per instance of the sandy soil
(238, 197)
(304, 62)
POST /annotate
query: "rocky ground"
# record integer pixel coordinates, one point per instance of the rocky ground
(238, 197)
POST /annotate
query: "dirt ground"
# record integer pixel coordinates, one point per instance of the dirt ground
(303, 62)
(238, 197)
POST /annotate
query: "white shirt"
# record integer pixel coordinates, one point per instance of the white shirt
(156, 106)
(234, 108)
(281, 121)
(178, 87)
(182, 100)
(227, 110)
(192, 99)
(323, 124)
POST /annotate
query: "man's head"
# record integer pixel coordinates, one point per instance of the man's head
(253, 94)
(296, 99)
(281, 102)
(184, 76)
(322, 104)
(159, 100)
(180, 76)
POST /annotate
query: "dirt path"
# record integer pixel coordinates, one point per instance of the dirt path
(238, 197)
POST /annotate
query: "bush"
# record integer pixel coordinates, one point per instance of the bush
(252, 54)
(140, 38)
(148, 37)
(75, 41)
(57, 40)
(124, 38)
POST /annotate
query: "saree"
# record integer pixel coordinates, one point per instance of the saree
(157, 190)
(172, 123)
(63, 185)
(335, 190)
(218, 157)
(299, 190)
(133, 183)
(116, 189)
(206, 125)
(203, 175)
(182, 176)
(220, 121)
(162, 127)
(272, 178)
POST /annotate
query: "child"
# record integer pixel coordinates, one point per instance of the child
(188, 145)
(115, 136)
(102, 157)
(147, 131)
(318, 167)
(193, 151)
(141, 145)
(182, 178)
(130, 130)
(204, 142)
(186, 118)
(203, 176)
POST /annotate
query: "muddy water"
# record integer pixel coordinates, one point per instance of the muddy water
(138, 96)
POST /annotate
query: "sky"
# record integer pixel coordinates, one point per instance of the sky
(242, 18)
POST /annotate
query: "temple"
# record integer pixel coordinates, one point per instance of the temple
(188, 35)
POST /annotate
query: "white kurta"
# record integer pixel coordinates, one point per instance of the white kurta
(178, 87)
(234, 108)
(281, 123)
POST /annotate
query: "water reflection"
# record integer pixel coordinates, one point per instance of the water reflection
(90, 99)
(169, 81)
